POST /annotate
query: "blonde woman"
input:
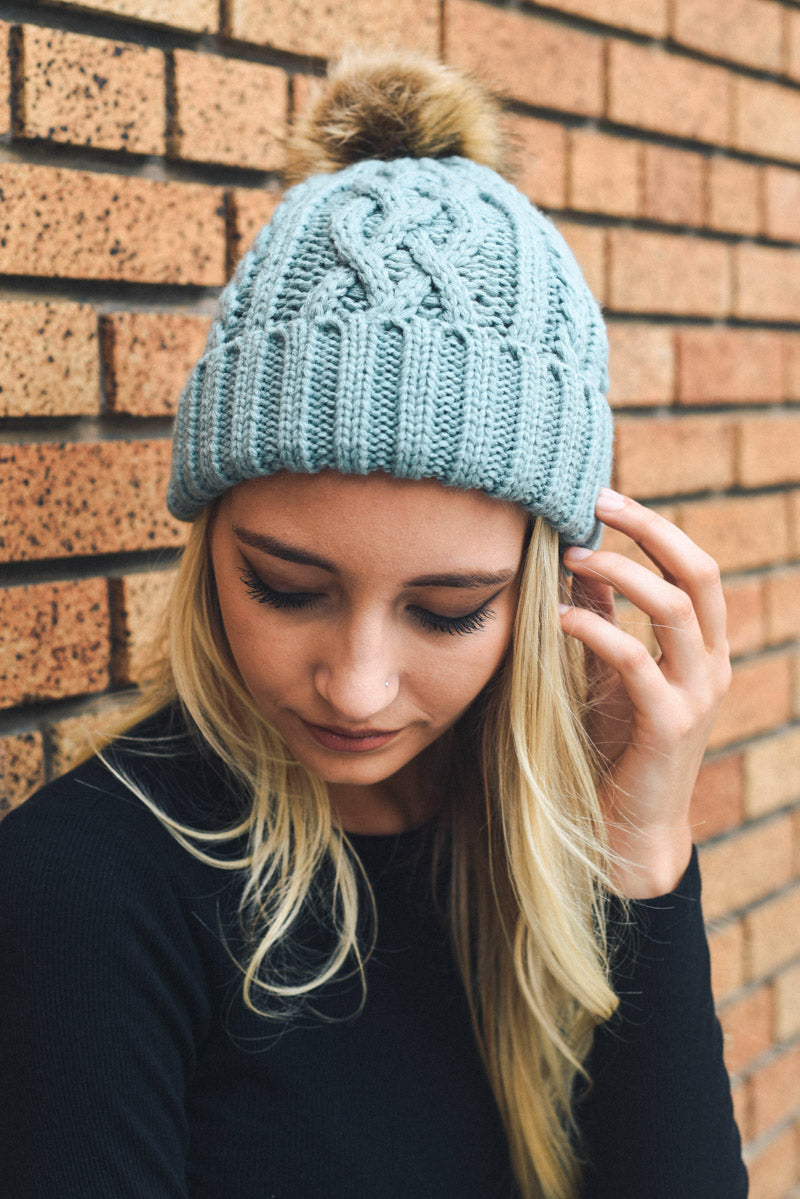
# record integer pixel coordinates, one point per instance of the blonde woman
(389, 889)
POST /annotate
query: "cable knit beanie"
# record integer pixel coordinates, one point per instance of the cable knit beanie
(408, 312)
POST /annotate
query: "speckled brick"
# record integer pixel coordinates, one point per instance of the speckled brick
(604, 173)
(782, 602)
(527, 58)
(673, 185)
(734, 203)
(744, 600)
(54, 641)
(767, 283)
(21, 768)
(653, 89)
(196, 15)
(766, 117)
(748, 31)
(539, 154)
(147, 358)
(760, 699)
(5, 79)
(250, 209)
(86, 498)
(793, 44)
(782, 203)
(305, 89)
(741, 532)
(768, 450)
(641, 363)
(661, 457)
(643, 16)
(717, 800)
(729, 366)
(308, 27)
(49, 364)
(229, 111)
(791, 359)
(71, 740)
(139, 603)
(77, 225)
(91, 91)
(666, 272)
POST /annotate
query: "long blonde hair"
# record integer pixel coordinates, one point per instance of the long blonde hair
(530, 862)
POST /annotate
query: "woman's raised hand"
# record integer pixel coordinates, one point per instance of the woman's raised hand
(651, 718)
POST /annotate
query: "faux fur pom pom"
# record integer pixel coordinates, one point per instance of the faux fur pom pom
(395, 104)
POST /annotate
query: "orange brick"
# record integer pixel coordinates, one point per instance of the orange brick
(767, 283)
(527, 58)
(772, 932)
(91, 91)
(197, 15)
(782, 203)
(5, 78)
(77, 225)
(718, 798)
(148, 357)
(782, 605)
(727, 962)
(589, 247)
(250, 209)
(773, 1171)
(48, 359)
(54, 640)
(747, 1028)
(664, 456)
(766, 118)
(760, 698)
(21, 768)
(643, 16)
(304, 90)
(787, 1003)
(75, 738)
(741, 532)
(768, 450)
(750, 31)
(304, 27)
(673, 185)
(540, 149)
(772, 773)
(139, 603)
(793, 516)
(775, 1090)
(229, 111)
(642, 363)
(744, 600)
(791, 358)
(741, 1107)
(729, 366)
(653, 89)
(604, 173)
(667, 272)
(793, 44)
(87, 498)
(746, 867)
(734, 203)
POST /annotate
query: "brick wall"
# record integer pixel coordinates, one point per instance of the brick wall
(140, 149)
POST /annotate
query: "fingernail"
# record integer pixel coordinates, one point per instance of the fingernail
(610, 500)
(576, 553)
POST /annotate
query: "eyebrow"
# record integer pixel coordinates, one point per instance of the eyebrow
(291, 553)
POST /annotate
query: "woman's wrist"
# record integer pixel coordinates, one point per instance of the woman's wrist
(649, 864)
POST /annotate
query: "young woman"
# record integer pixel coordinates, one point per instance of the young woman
(390, 890)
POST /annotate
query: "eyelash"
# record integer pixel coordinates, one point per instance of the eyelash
(297, 601)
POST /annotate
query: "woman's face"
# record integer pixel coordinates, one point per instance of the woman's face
(365, 614)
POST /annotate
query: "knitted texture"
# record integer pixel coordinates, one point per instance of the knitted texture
(418, 317)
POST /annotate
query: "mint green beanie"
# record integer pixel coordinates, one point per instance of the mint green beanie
(417, 316)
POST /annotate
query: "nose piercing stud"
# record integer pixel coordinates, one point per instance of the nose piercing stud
(386, 684)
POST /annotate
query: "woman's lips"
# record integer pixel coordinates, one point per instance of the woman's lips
(358, 742)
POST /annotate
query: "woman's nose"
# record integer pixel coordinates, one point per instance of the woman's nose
(357, 680)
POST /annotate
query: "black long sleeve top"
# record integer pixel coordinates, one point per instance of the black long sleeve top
(130, 1068)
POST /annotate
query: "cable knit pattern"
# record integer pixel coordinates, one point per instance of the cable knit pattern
(418, 317)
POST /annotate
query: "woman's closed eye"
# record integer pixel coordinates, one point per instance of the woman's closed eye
(296, 601)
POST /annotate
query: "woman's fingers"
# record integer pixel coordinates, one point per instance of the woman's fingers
(683, 563)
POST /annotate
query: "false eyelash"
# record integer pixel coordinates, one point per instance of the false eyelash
(295, 601)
